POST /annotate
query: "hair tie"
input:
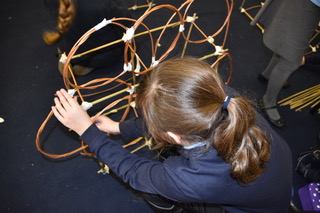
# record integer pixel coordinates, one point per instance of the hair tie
(226, 102)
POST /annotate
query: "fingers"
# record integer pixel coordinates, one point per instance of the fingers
(106, 124)
(63, 104)
(99, 119)
(57, 114)
(65, 99)
(70, 113)
(58, 107)
(71, 100)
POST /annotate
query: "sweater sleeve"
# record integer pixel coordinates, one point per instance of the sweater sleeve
(133, 128)
(142, 174)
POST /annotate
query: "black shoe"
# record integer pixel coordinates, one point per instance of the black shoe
(279, 122)
(264, 79)
(312, 58)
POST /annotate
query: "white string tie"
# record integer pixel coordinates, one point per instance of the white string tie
(63, 58)
(86, 105)
(219, 50)
(133, 104)
(71, 92)
(190, 19)
(127, 67)
(154, 62)
(131, 90)
(138, 67)
(102, 24)
(128, 35)
(210, 39)
(181, 28)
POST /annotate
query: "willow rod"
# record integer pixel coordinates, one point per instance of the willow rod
(188, 36)
(119, 108)
(307, 102)
(147, 143)
(251, 18)
(211, 55)
(112, 95)
(138, 148)
(140, 6)
(297, 94)
(132, 142)
(315, 35)
(300, 100)
(120, 40)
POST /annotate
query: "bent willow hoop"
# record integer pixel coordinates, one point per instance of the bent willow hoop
(134, 64)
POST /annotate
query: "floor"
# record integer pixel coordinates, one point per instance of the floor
(31, 182)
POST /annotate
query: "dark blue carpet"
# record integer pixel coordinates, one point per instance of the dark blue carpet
(30, 182)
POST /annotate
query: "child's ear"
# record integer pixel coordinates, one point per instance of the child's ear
(175, 137)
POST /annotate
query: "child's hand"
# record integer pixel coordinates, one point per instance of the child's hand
(105, 124)
(70, 113)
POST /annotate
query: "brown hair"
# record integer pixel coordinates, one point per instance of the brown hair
(66, 14)
(185, 96)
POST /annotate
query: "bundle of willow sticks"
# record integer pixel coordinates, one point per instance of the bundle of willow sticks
(300, 100)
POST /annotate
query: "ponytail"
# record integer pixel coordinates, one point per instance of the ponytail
(241, 143)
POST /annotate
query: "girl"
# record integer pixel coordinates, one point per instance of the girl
(230, 159)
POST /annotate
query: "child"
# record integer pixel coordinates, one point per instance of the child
(230, 159)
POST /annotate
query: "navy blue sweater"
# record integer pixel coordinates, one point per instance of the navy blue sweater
(196, 177)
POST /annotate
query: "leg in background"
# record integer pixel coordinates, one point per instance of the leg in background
(273, 62)
(279, 75)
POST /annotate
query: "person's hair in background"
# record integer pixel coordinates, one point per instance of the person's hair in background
(73, 18)
(66, 14)
(185, 96)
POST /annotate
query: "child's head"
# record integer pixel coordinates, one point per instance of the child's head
(185, 96)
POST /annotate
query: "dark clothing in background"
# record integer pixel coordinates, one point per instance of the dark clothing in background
(291, 27)
(89, 14)
(287, 33)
